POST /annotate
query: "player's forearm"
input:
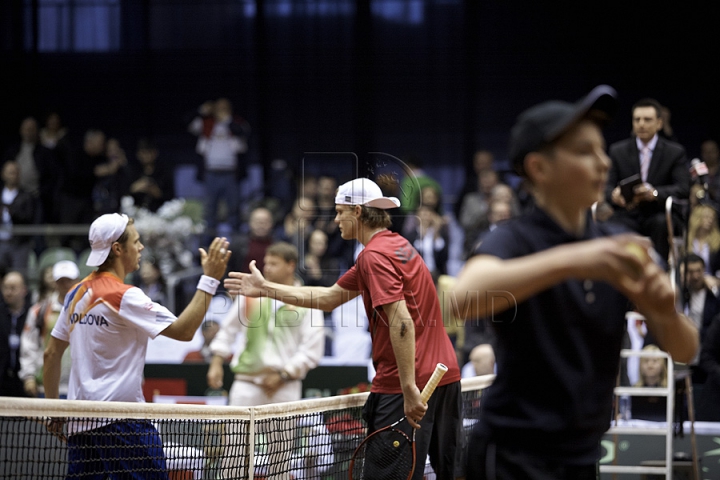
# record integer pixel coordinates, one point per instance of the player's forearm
(217, 361)
(321, 298)
(402, 338)
(51, 380)
(189, 321)
(676, 335)
(488, 285)
(52, 359)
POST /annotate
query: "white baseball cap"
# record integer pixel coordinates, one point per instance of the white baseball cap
(363, 191)
(65, 269)
(104, 231)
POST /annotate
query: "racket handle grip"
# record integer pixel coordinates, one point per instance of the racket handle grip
(440, 370)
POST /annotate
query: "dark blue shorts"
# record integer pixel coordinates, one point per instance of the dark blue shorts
(120, 450)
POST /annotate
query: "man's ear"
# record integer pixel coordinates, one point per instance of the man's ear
(357, 210)
(116, 249)
(535, 165)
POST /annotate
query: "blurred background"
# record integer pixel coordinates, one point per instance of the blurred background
(440, 78)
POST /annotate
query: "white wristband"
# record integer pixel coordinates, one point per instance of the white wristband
(208, 284)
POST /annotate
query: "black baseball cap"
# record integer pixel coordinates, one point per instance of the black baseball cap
(547, 121)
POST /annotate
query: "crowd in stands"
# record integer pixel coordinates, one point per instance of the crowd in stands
(48, 179)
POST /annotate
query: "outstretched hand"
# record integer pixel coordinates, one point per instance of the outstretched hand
(214, 261)
(247, 284)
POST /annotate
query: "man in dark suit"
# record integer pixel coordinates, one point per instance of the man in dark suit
(663, 171)
(701, 304)
(13, 310)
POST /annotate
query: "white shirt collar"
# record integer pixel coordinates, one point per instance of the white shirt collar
(651, 144)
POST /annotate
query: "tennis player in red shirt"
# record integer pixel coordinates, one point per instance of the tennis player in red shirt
(405, 322)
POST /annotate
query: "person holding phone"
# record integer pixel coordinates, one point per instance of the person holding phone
(647, 169)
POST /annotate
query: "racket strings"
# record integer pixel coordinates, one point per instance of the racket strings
(386, 455)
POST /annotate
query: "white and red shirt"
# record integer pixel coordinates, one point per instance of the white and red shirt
(108, 324)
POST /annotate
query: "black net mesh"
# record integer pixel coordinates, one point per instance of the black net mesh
(315, 439)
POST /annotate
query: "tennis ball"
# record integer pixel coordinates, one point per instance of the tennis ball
(638, 251)
(396, 444)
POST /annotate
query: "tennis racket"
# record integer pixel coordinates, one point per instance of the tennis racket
(389, 453)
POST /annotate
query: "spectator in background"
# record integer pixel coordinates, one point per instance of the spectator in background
(112, 179)
(253, 244)
(698, 196)
(297, 225)
(701, 304)
(318, 268)
(412, 184)
(152, 183)
(45, 287)
(703, 237)
(53, 134)
(39, 323)
(482, 361)
(151, 281)
(652, 373)
(38, 171)
(209, 329)
(324, 220)
(309, 186)
(18, 208)
(663, 170)
(473, 212)
(80, 172)
(430, 197)
(667, 131)
(499, 211)
(482, 160)
(222, 143)
(13, 311)
(504, 193)
(710, 155)
(431, 239)
(282, 344)
(652, 370)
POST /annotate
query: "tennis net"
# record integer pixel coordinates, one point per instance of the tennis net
(313, 438)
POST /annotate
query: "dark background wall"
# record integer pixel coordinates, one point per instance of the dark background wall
(438, 78)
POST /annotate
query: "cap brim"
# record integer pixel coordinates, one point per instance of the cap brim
(600, 98)
(385, 203)
(97, 257)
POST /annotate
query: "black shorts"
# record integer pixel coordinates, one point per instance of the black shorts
(440, 430)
